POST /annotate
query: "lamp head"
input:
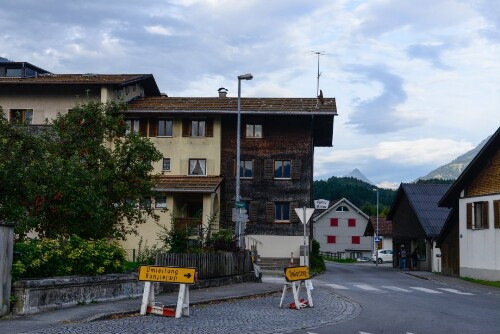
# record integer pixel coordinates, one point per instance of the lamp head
(247, 76)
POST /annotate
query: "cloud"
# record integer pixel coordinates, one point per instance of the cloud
(159, 30)
(380, 114)
(429, 52)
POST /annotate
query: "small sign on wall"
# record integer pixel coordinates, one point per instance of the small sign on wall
(321, 204)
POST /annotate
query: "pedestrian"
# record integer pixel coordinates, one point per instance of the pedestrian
(414, 259)
(402, 258)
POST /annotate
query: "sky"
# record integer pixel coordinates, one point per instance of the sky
(416, 82)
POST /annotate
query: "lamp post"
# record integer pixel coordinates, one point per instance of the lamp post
(238, 222)
(376, 234)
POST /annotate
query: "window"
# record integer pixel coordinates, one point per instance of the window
(477, 215)
(342, 208)
(197, 128)
(246, 168)
(165, 127)
(356, 240)
(331, 239)
(21, 116)
(253, 131)
(351, 222)
(282, 169)
(13, 72)
(197, 167)
(282, 211)
(132, 126)
(166, 164)
(334, 222)
(145, 203)
(160, 202)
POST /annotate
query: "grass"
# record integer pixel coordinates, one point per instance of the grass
(482, 282)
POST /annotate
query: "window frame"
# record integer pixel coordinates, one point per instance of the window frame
(163, 169)
(198, 126)
(165, 127)
(131, 124)
(197, 160)
(13, 119)
(251, 131)
(157, 202)
(243, 164)
(283, 212)
(283, 169)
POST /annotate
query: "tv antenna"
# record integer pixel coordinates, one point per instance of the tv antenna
(318, 53)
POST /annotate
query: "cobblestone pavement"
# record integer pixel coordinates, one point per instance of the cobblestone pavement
(261, 315)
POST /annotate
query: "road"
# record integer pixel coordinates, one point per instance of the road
(398, 302)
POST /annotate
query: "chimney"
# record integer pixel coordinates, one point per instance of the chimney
(222, 92)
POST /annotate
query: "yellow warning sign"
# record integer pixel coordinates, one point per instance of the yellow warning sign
(167, 274)
(296, 273)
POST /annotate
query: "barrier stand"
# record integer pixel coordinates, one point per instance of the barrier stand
(183, 276)
(295, 276)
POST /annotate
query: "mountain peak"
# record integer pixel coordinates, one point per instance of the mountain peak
(356, 173)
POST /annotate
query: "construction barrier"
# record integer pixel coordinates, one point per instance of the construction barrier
(296, 276)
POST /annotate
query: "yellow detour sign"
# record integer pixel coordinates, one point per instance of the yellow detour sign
(296, 273)
(167, 274)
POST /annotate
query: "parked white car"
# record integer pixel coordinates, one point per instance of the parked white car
(384, 255)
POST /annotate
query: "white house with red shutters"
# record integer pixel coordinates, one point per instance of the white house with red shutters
(340, 230)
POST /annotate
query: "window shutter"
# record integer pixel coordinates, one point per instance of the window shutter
(186, 127)
(296, 169)
(229, 211)
(153, 123)
(230, 169)
(486, 218)
(351, 222)
(257, 169)
(268, 169)
(334, 222)
(293, 215)
(469, 216)
(143, 127)
(209, 123)
(496, 213)
(253, 215)
(270, 212)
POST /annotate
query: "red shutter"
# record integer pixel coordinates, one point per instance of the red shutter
(334, 222)
(356, 240)
(331, 239)
(351, 222)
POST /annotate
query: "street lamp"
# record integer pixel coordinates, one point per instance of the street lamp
(376, 234)
(238, 222)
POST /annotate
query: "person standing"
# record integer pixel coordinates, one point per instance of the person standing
(402, 258)
(414, 259)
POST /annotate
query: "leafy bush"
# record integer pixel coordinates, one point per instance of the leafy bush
(316, 260)
(223, 241)
(70, 256)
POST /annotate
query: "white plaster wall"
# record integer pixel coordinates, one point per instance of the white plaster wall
(277, 246)
(437, 262)
(479, 249)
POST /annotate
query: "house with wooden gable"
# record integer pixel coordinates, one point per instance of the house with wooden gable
(340, 230)
(417, 221)
(384, 231)
(277, 148)
(470, 240)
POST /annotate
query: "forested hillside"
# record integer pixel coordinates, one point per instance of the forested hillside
(357, 192)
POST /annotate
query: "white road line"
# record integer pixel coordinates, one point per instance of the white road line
(457, 292)
(336, 286)
(395, 288)
(424, 289)
(366, 287)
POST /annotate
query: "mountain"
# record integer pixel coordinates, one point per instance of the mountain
(3, 60)
(356, 173)
(452, 170)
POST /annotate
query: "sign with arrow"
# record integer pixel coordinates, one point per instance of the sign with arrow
(167, 274)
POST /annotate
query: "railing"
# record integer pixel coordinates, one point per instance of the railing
(333, 255)
(209, 265)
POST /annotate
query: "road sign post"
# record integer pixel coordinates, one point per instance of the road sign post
(304, 215)
(294, 277)
(182, 276)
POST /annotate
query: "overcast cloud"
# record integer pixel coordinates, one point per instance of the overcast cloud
(417, 82)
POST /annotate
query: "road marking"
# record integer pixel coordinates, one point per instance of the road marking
(456, 291)
(366, 287)
(336, 286)
(424, 289)
(395, 288)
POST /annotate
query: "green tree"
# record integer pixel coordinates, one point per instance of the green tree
(80, 176)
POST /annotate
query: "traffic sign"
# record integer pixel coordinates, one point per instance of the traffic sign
(296, 273)
(167, 274)
(239, 205)
(377, 239)
(300, 213)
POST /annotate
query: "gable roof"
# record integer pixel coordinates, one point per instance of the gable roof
(322, 114)
(423, 199)
(384, 226)
(336, 204)
(472, 170)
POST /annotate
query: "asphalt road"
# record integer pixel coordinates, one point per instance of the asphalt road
(398, 302)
